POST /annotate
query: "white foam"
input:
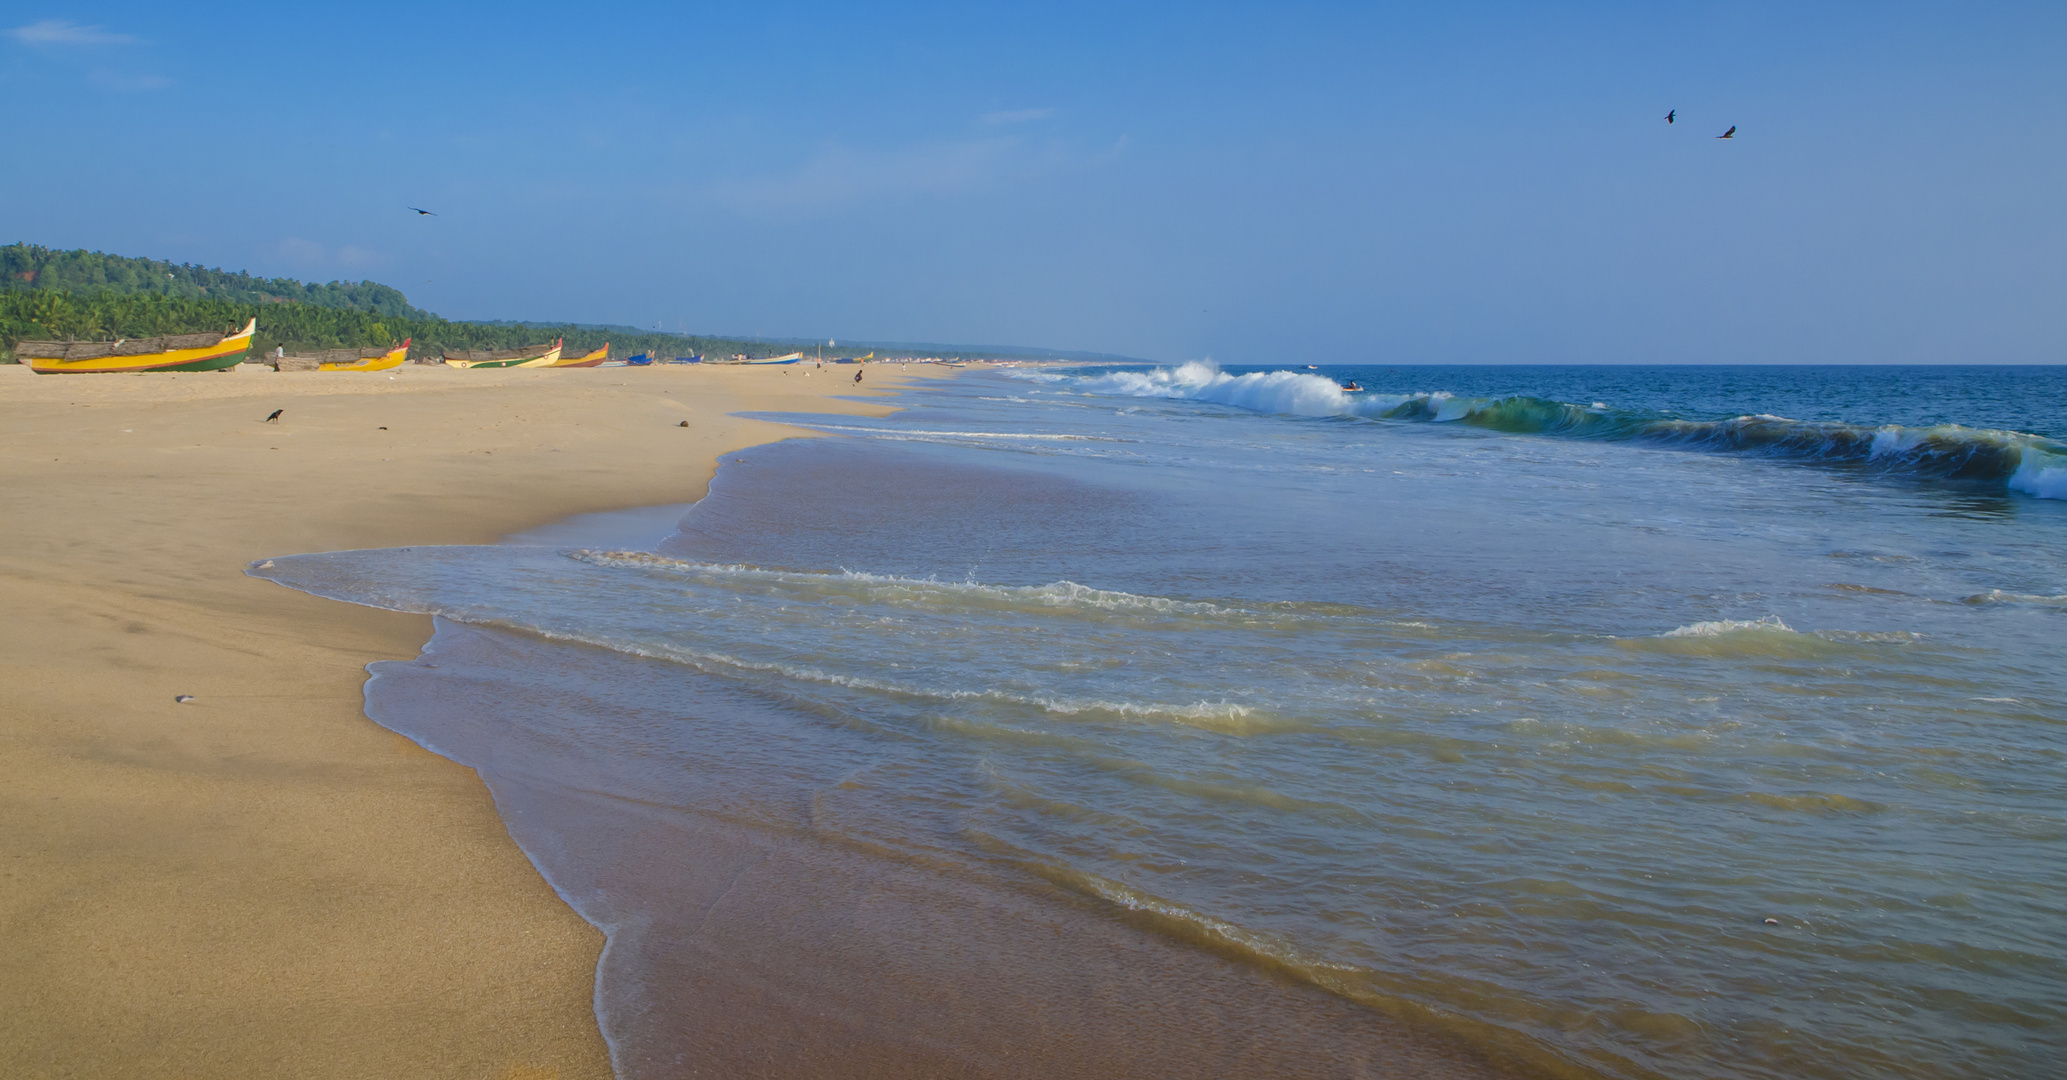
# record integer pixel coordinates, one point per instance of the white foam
(1056, 594)
(1719, 627)
(1998, 596)
(1893, 440)
(2041, 474)
(1285, 393)
(1221, 716)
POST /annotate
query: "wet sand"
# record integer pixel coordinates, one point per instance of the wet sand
(263, 882)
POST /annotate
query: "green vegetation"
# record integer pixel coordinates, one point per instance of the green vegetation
(302, 328)
(47, 294)
(86, 296)
(27, 266)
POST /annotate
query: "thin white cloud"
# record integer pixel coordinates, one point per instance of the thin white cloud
(842, 176)
(1017, 116)
(61, 32)
(302, 256)
(126, 80)
(309, 257)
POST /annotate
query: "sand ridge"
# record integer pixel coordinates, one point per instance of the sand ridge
(263, 882)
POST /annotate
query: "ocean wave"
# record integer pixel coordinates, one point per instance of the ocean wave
(1222, 717)
(931, 591)
(1998, 596)
(1766, 637)
(2026, 463)
(1719, 627)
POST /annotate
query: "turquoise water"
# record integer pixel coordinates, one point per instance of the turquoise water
(1622, 722)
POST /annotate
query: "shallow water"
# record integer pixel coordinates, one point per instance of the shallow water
(1534, 718)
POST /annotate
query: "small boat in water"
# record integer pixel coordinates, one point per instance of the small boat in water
(172, 352)
(1351, 387)
(590, 359)
(529, 356)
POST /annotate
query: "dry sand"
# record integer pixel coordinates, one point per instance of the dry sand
(263, 882)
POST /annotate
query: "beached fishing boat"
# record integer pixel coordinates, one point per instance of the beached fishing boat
(529, 356)
(792, 358)
(172, 352)
(591, 359)
(366, 359)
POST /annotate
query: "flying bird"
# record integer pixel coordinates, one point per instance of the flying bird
(422, 211)
(275, 417)
(1671, 116)
(1730, 134)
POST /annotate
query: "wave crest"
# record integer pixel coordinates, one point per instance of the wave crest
(2031, 464)
(1719, 627)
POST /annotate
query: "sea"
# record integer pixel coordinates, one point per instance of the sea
(1591, 721)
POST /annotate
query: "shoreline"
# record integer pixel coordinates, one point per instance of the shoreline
(264, 880)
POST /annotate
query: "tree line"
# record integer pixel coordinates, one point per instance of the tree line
(33, 267)
(104, 314)
(51, 294)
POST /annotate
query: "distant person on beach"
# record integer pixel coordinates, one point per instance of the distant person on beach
(857, 376)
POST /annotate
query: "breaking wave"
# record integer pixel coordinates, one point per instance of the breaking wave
(1719, 627)
(2031, 464)
(1998, 596)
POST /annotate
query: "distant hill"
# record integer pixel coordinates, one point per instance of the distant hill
(46, 294)
(28, 266)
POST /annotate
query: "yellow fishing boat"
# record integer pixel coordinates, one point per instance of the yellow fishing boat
(529, 356)
(378, 361)
(592, 359)
(172, 352)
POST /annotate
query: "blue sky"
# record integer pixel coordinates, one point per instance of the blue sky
(1435, 183)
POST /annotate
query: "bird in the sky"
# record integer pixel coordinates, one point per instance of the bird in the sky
(422, 211)
(275, 417)
(1730, 134)
(1671, 116)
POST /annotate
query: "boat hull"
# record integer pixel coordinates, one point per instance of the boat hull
(547, 359)
(393, 359)
(593, 359)
(229, 352)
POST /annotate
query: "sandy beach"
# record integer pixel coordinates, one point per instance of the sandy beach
(263, 882)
